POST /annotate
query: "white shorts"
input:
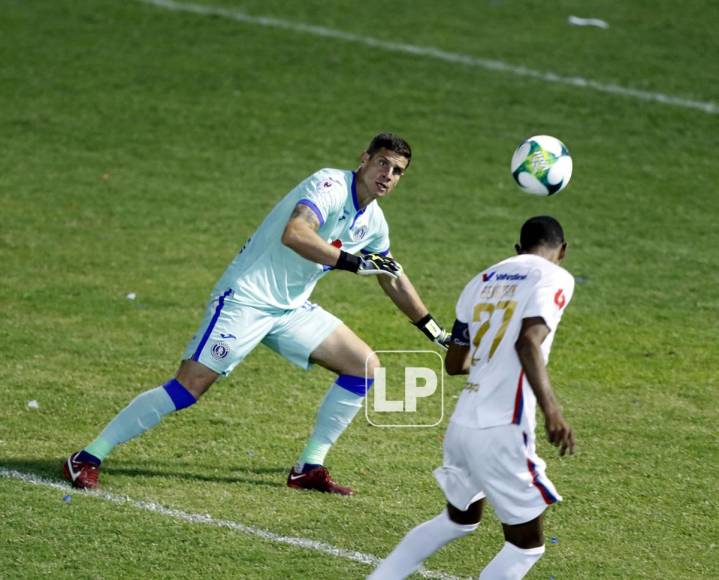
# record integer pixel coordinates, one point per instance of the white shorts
(499, 463)
(230, 331)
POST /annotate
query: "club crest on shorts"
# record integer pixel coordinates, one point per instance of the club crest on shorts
(220, 350)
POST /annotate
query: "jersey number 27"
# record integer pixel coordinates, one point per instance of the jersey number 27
(507, 308)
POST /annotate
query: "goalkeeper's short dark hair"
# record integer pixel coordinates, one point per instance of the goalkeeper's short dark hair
(541, 230)
(391, 142)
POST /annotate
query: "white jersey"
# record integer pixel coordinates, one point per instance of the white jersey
(268, 275)
(494, 304)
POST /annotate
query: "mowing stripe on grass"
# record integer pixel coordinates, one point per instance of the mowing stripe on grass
(208, 520)
(436, 53)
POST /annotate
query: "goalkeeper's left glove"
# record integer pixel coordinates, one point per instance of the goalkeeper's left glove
(433, 331)
(369, 265)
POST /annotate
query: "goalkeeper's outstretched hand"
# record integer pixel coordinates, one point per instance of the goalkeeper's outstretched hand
(369, 265)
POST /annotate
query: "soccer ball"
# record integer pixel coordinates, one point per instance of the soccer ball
(541, 165)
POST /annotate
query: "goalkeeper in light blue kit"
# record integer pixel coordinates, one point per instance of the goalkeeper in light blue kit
(329, 221)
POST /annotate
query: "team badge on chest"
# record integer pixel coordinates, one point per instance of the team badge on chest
(358, 233)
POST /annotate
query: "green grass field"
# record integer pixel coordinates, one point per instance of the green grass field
(140, 148)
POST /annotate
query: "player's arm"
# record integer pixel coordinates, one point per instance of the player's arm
(528, 346)
(458, 358)
(404, 295)
(300, 235)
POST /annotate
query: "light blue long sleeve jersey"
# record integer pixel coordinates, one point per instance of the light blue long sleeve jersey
(268, 275)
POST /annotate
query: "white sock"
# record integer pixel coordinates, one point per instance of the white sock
(418, 545)
(336, 412)
(511, 563)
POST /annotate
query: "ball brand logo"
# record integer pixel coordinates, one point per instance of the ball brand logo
(539, 161)
(219, 350)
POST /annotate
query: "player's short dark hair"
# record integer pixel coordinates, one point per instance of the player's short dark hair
(391, 142)
(541, 230)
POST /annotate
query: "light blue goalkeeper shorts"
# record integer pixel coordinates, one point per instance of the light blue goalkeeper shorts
(230, 331)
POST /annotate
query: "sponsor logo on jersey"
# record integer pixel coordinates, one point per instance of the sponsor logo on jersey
(511, 277)
(227, 336)
(487, 277)
(220, 350)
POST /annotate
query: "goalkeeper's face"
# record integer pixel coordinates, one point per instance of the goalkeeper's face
(379, 174)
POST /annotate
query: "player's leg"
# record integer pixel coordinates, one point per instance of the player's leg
(523, 547)
(147, 409)
(142, 413)
(520, 494)
(344, 353)
(354, 362)
(454, 478)
(428, 537)
(208, 355)
(312, 335)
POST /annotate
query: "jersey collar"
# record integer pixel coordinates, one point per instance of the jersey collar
(355, 200)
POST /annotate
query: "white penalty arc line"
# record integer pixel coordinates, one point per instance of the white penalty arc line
(194, 518)
(437, 54)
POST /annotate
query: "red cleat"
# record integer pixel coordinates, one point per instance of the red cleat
(81, 474)
(318, 479)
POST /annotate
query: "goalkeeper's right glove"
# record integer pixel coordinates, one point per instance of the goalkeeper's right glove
(434, 331)
(369, 265)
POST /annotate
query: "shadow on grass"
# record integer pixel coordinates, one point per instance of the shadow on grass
(52, 469)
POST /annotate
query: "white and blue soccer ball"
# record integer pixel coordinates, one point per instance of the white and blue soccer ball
(541, 165)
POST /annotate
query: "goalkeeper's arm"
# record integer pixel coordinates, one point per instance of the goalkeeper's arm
(300, 234)
(402, 292)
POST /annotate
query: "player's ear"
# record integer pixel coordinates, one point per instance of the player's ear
(364, 159)
(562, 251)
(518, 248)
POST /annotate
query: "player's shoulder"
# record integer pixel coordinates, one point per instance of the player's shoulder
(330, 179)
(555, 277)
(557, 273)
(375, 213)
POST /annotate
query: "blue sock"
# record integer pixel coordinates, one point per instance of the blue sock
(309, 467)
(86, 457)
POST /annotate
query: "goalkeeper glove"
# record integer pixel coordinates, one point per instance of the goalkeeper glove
(433, 331)
(369, 265)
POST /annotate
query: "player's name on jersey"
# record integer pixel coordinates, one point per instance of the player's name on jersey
(491, 291)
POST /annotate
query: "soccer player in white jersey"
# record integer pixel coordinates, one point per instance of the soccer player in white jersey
(506, 320)
(263, 297)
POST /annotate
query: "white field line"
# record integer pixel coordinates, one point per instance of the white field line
(437, 54)
(193, 518)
